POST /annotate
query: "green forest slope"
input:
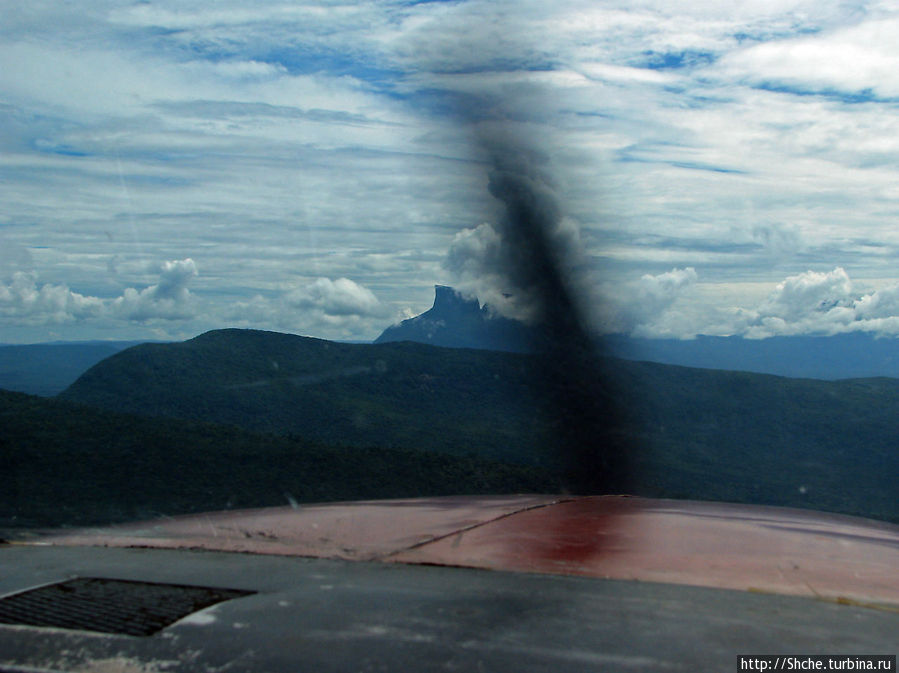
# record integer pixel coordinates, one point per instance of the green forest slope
(392, 395)
(63, 464)
(691, 433)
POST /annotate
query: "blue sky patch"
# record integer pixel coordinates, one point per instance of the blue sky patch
(48, 147)
(677, 60)
(866, 95)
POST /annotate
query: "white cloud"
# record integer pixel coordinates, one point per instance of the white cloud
(485, 263)
(812, 302)
(808, 293)
(474, 252)
(22, 301)
(647, 307)
(853, 60)
(334, 299)
(879, 304)
(475, 261)
(668, 305)
(169, 299)
(821, 303)
(656, 293)
(332, 309)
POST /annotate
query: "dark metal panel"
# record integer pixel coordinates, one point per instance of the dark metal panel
(335, 616)
(109, 606)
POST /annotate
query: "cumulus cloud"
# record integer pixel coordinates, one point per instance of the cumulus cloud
(668, 305)
(484, 262)
(807, 294)
(665, 126)
(881, 304)
(821, 303)
(335, 299)
(24, 302)
(647, 307)
(336, 309)
(474, 251)
(656, 294)
(169, 299)
(474, 259)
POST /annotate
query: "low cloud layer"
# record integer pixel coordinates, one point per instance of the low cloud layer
(340, 308)
(335, 308)
(647, 307)
(334, 299)
(169, 299)
(823, 303)
(813, 302)
(25, 302)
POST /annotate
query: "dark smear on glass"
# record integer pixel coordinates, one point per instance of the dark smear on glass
(572, 376)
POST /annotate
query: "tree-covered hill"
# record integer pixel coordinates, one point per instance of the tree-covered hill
(64, 464)
(830, 445)
(396, 394)
(691, 433)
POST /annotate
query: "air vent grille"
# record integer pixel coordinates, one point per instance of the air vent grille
(110, 606)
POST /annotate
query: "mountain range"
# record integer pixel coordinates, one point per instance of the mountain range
(458, 321)
(49, 368)
(690, 433)
(245, 416)
(390, 395)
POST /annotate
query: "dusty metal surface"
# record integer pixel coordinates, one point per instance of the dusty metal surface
(363, 530)
(330, 615)
(765, 549)
(750, 548)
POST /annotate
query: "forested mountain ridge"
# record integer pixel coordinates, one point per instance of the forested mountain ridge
(395, 394)
(692, 433)
(65, 464)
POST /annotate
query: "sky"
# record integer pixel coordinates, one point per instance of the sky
(167, 168)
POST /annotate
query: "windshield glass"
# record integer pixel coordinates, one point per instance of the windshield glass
(634, 216)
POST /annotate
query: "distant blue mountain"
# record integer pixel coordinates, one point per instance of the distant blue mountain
(842, 356)
(456, 321)
(49, 368)
(459, 322)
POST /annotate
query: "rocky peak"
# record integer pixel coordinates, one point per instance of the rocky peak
(458, 321)
(448, 300)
